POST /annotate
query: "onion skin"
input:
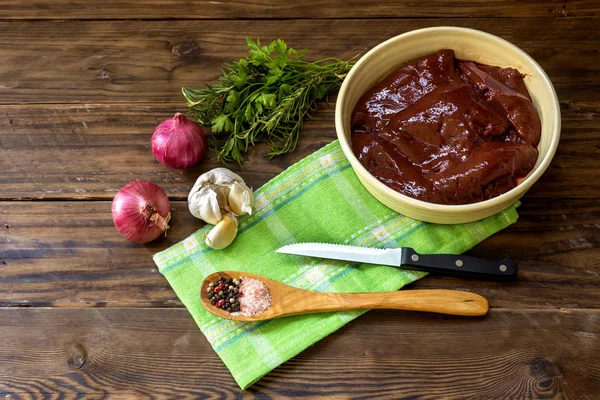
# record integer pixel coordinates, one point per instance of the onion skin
(141, 211)
(178, 142)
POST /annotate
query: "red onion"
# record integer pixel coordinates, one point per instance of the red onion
(178, 142)
(141, 211)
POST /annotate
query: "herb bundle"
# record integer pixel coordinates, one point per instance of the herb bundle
(265, 96)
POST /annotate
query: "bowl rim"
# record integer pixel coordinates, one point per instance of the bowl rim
(515, 192)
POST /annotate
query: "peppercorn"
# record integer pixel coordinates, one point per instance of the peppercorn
(224, 293)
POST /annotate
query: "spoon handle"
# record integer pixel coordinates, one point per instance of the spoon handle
(454, 302)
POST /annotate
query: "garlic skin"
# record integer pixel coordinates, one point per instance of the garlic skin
(217, 192)
(205, 204)
(223, 233)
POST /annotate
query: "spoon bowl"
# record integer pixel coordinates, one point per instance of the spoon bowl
(287, 300)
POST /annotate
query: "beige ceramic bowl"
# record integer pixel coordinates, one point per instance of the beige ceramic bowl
(467, 44)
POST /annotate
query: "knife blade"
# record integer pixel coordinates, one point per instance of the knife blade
(405, 257)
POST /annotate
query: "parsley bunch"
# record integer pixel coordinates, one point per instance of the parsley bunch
(266, 96)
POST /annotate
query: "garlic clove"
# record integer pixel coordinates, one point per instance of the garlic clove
(205, 204)
(241, 198)
(223, 233)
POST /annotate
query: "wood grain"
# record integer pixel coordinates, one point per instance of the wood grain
(81, 89)
(91, 151)
(160, 352)
(57, 253)
(149, 61)
(269, 9)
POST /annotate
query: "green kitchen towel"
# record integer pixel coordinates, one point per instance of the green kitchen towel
(318, 199)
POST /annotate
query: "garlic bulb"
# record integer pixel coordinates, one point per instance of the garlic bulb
(218, 192)
(223, 233)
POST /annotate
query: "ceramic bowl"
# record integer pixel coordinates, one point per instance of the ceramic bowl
(467, 44)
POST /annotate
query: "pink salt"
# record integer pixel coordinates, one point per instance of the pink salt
(255, 297)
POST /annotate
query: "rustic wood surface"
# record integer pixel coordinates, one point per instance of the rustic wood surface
(275, 9)
(85, 313)
(517, 354)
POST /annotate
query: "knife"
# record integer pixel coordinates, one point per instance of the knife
(405, 257)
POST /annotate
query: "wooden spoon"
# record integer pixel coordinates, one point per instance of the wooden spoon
(287, 300)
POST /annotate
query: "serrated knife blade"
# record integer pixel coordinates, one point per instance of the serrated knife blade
(342, 252)
(405, 257)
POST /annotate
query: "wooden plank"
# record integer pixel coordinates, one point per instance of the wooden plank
(149, 61)
(90, 151)
(69, 254)
(160, 352)
(269, 9)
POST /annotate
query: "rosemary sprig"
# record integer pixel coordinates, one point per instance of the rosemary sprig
(265, 96)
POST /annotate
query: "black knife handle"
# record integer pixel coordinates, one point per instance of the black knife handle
(459, 265)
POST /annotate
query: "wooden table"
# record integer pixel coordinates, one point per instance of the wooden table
(83, 311)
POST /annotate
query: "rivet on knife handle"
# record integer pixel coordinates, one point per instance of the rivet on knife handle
(459, 265)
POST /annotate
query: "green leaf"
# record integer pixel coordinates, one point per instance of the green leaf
(273, 76)
(236, 153)
(232, 101)
(280, 46)
(249, 113)
(229, 144)
(252, 45)
(320, 91)
(259, 107)
(257, 53)
(268, 49)
(284, 90)
(221, 123)
(268, 99)
(239, 79)
(259, 59)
